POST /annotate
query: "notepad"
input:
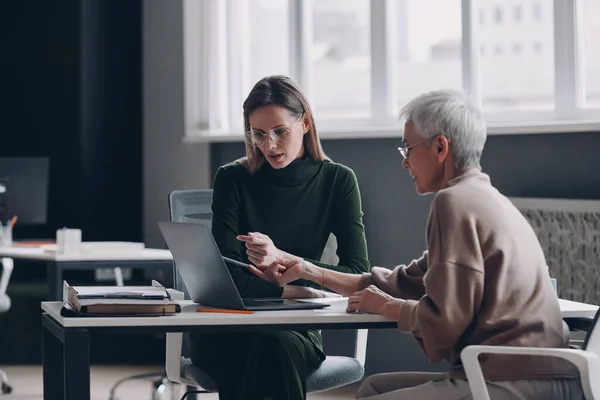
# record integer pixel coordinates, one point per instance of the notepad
(121, 292)
(120, 300)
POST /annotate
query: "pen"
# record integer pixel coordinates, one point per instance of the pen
(235, 262)
(13, 221)
(225, 311)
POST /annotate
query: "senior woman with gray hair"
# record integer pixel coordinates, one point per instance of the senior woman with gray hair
(482, 281)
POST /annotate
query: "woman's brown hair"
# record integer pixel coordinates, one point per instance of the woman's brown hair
(281, 91)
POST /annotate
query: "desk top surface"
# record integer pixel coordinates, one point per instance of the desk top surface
(39, 254)
(574, 309)
(336, 313)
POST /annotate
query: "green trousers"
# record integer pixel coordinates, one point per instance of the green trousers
(257, 365)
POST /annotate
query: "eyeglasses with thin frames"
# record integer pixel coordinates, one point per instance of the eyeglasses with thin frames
(279, 135)
(405, 150)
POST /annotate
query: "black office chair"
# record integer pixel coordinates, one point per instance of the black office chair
(194, 206)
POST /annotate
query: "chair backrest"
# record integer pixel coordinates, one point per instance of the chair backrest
(592, 338)
(190, 206)
(194, 206)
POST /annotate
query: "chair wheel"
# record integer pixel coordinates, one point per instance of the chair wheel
(6, 388)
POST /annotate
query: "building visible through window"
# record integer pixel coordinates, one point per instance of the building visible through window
(537, 11)
(518, 13)
(498, 15)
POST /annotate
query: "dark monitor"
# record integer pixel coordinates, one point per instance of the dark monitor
(24, 189)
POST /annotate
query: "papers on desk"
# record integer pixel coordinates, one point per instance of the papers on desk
(121, 292)
(119, 300)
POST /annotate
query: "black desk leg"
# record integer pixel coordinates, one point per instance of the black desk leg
(191, 396)
(66, 358)
(55, 281)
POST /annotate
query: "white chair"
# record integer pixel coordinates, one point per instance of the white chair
(7, 268)
(586, 359)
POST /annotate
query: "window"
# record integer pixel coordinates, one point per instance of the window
(341, 59)
(433, 59)
(518, 13)
(360, 61)
(515, 83)
(498, 15)
(591, 33)
(537, 12)
(268, 23)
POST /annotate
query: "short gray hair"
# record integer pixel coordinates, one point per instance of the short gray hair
(452, 114)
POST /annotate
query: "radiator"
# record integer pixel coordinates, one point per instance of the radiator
(569, 232)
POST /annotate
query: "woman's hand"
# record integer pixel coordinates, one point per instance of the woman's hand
(260, 249)
(374, 301)
(288, 269)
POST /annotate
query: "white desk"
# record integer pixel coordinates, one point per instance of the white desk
(66, 340)
(35, 253)
(573, 309)
(66, 344)
(332, 315)
(56, 264)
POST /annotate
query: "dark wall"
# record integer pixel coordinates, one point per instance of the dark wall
(552, 165)
(70, 89)
(538, 165)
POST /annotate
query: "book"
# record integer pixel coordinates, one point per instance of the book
(120, 300)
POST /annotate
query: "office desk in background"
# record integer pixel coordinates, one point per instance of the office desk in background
(66, 341)
(56, 264)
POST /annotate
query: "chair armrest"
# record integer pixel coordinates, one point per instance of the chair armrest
(7, 268)
(173, 347)
(586, 362)
(360, 348)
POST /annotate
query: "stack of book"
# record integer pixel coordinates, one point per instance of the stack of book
(119, 301)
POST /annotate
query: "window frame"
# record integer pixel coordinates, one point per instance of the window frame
(215, 90)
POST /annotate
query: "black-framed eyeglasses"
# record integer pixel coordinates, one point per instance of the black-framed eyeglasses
(405, 150)
(279, 135)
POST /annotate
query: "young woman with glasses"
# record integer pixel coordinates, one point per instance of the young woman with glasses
(284, 198)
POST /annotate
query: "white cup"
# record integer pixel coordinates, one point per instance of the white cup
(6, 238)
(68, 241)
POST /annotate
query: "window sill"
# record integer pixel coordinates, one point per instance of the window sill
(395, 131)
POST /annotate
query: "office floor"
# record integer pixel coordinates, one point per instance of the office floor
(27, 385)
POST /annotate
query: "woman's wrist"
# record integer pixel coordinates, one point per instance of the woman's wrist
(310, 272)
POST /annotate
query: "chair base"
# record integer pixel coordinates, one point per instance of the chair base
(158, 383)
(191, 394)
(5, 387)
(334, 372)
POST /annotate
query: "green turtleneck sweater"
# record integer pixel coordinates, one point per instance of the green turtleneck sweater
(297, 207)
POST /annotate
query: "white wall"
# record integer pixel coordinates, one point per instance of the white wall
(168, 162)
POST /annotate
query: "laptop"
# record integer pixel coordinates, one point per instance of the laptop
(205, 274)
